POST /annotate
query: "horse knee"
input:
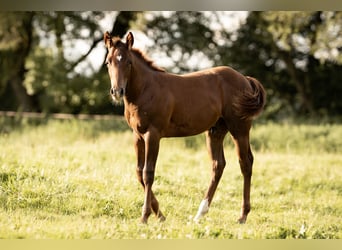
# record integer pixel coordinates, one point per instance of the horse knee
(148, 177)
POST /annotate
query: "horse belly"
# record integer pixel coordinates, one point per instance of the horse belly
(183, 130)
(192, 121)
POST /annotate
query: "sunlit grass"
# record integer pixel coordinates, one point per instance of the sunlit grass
(76, 179)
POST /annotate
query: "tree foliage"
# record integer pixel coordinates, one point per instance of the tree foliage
(305, 80)
(295, 54)
(48, 76)
(181, 35)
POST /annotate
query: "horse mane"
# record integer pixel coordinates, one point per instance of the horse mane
(146, 60)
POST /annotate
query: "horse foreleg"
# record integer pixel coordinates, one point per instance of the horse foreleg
(154, 201)
(215, 139)
(140, 153)
(151, 153)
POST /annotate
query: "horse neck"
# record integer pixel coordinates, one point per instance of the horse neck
(141, 76)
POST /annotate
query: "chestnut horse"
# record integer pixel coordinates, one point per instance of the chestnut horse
(159, 104)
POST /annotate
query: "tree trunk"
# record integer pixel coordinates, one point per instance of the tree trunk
(17, 59)
(121, 24)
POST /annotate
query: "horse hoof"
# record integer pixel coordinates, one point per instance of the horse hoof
(143, 220)
(197, 220)
(202, 210)
(161, 218)
(242, 220)
(198, 217)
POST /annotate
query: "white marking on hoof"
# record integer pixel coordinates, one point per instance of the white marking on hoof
(202, 210)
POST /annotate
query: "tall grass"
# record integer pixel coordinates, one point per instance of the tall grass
(76, 179)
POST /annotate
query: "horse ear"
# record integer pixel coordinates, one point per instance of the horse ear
(129, 40)
(108, 39)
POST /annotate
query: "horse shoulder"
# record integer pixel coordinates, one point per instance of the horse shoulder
(133, 119)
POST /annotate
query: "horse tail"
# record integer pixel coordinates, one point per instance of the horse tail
(250, 103)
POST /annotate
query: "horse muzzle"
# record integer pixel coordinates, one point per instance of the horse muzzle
(117, 94)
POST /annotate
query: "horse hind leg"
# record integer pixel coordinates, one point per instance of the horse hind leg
(245, 156)
(214, 137)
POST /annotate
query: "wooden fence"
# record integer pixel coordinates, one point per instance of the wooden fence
(60, 116)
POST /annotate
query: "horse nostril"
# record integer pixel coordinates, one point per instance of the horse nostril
(121, 92)
(112, 91)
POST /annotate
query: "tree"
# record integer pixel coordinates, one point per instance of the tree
(308, 44)
(295, 54)
(290, 42)
(36, 65)
(15, 45)
(181, 35)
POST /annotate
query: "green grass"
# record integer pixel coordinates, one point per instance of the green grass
(76, 179)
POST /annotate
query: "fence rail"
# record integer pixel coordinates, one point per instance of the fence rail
(60, 116)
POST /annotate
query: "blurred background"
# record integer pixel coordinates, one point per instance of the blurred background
(52, 62)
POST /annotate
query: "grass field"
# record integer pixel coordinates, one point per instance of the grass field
(76, 179)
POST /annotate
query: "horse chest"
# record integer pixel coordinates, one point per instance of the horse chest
(137, 121)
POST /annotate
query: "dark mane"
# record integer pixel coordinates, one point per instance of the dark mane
(148, 62)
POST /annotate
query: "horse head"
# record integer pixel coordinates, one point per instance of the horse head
(119, 63)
